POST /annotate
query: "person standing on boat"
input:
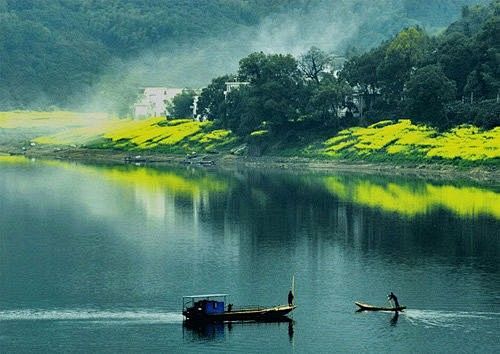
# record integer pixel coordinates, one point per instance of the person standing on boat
(393, 297)
(290, 298)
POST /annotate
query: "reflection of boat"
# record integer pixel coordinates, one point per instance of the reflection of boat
(197, 330)
(213, 308)
(204, 330)
(366, 307)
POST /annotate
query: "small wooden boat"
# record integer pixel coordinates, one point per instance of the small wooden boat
(212, 308)
(366, 307)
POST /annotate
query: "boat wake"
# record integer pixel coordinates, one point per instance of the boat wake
(448, 319)
(148, 316)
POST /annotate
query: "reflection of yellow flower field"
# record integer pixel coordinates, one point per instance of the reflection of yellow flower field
(155, 180)
(406, 140)
(411, 200)
(13, 160)
(146, 178)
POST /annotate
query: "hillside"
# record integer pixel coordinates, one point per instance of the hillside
(71, 53)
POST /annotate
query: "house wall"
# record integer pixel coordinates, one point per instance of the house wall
(153, 101)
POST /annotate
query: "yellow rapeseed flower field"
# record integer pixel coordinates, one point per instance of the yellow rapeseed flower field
(402, 138)
(58, 119)
(141, 134)
(399, 140)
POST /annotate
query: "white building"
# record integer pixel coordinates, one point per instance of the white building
(153, 101)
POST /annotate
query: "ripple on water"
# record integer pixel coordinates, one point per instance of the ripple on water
(149, 316)
(448, 319)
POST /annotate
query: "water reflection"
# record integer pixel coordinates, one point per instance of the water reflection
(205, 331)
(402, 196)
(217, 331)
(275, 208)
(290, 331)
(75, 237)
(417, 198)
(394, 319)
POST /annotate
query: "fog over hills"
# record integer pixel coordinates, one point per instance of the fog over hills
(93, 53)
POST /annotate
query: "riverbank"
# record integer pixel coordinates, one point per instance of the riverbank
(388, 147)
(436, 171)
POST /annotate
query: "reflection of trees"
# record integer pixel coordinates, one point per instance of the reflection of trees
(284, 211)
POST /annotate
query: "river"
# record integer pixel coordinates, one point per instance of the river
(97, 259)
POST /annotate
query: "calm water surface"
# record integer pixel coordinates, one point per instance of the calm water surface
(96, 258)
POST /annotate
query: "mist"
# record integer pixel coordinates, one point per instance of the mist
(332, 26)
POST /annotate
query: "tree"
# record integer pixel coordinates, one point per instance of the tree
(259, 68)
(314, 63)
(427, 92)
(276, 94)
(361, 72)
(326, 100)
(404, 53)
(182, 104)
(211, 103)
(456, 56)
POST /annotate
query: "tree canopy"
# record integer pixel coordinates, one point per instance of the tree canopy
(439, 80)
(396, 78)
(182, 104)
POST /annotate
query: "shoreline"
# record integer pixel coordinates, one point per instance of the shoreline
(436, 171)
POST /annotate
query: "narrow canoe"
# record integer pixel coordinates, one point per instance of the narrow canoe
(366, 307)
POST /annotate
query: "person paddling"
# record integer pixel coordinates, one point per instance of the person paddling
(290, 298)
(393, 297)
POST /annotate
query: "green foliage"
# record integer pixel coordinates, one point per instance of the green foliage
(53, 52)
(327, 97)
(211, 103)
(275, 95)
(484, 114)
(182, 104)
(413, 75)
(427, 92)
(406, 51)
(457, 58)
(418, 76)
(314, 63)
(469, 52)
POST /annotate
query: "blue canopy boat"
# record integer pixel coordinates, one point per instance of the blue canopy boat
(215, 308)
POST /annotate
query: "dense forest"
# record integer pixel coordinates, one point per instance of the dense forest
(61, 52)
(442, 80)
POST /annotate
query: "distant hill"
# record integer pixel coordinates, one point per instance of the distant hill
(71, 52)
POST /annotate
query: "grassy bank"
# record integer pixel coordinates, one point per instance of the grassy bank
(387, 141)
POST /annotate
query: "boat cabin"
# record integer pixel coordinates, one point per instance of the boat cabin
(208, 304)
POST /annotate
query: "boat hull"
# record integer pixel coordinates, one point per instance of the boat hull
(366, 307)
(261, 315)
